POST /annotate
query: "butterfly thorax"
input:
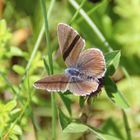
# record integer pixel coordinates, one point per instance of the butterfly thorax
(73, 72)
(76, 73)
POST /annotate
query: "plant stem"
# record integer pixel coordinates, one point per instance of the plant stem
(53, 105)
(91, 24)
(127, 127)
(49, 50)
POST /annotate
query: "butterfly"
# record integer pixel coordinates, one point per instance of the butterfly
(84, 69)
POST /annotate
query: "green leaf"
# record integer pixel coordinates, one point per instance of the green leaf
(67, 102)
(82, 101)
(14, 51)
(3, 26)
(17, 130)
(114, 94)
(74, 127)
(113, 58)
(15, 111)
(13, 137)
(46, 65)
(8, 82)
(110, 70)
(110, 126)
(18, 69)
(10, 105)
(5, 35)
(64, 120)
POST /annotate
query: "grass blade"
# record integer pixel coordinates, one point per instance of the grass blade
(77, 11)
(91, 24)
(127, 127)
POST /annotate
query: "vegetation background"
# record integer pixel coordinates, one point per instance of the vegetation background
(28, 36)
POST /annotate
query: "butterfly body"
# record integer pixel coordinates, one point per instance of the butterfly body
(84, 68)
(77, 75)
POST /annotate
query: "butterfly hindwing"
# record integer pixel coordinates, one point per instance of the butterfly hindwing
(92, 62)
(83, 88)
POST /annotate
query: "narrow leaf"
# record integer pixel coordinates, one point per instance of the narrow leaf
(64, 120)
(113, 58)
(18, 69)
(110, 126)
(67, 102)
(82, 101)
(46, 65)
(75, 128)
(114, 94)
(127, 127)
(17, 130)
(10, 105)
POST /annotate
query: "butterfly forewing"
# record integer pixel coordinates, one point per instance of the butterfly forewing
(71, 44)
(53, 83)
(92, 63)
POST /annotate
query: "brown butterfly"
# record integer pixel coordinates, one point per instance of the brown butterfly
(84, 68)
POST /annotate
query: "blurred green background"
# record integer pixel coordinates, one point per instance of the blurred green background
(26, 113)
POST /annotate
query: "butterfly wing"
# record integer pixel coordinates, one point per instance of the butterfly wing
(92, 63)
(71, 44)
(53, 83)
(83, 88)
